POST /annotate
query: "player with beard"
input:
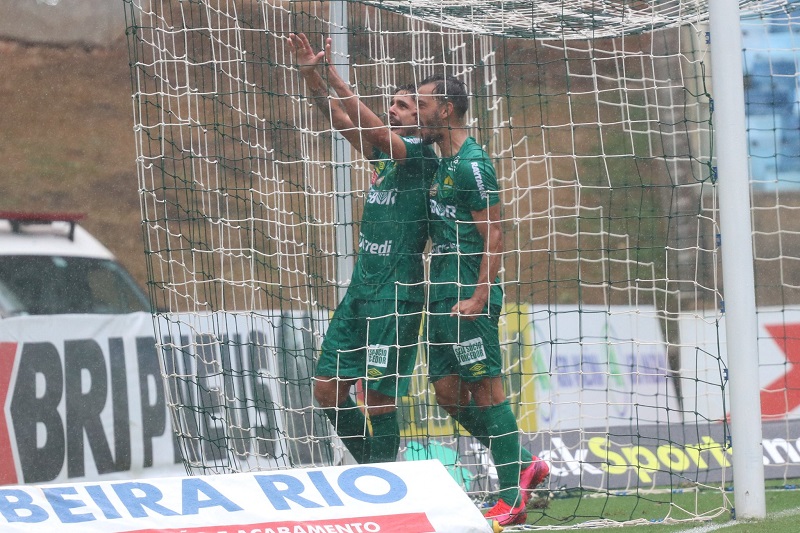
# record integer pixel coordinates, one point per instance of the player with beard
(465, 296)
(374, 333)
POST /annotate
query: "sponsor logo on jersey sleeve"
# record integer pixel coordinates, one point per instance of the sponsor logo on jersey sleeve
(476, 171)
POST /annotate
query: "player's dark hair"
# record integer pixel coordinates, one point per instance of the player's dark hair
(450, 89)
(410, 88)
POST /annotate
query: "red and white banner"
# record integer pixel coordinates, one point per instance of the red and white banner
(704, 364)
(413, 497)
(81, 397)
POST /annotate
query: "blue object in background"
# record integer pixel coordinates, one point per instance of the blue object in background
(772, 99)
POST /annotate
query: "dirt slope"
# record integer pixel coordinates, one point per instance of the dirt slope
(66, 140)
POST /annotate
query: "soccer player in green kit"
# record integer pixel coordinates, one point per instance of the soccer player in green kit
(374, 332)
(465, 297)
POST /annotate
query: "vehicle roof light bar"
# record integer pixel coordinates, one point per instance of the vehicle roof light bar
(18, 218)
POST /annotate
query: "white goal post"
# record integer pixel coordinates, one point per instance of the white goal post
(737, 260)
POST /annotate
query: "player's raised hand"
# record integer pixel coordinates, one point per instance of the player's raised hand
(307, 59)
(333, 74)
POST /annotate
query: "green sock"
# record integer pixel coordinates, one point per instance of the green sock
(385, 441)
(470, 418)
(351, 426)
(501, 425)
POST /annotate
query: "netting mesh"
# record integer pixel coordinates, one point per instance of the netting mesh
(598, 118)
(578, 19)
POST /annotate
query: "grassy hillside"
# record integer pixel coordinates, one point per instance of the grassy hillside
(66, 140)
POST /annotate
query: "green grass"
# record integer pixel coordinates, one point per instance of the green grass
(659, 511)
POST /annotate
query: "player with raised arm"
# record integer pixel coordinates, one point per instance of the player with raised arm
(464, 300)
(374, 332)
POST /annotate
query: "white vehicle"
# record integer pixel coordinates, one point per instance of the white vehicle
(50, 265)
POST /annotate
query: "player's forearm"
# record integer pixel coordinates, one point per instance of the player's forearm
(330, 107)
(490, 267)
(318, 90)
(490, 263)
(362, 116)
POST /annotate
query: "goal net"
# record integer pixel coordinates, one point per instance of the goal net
(598, 116)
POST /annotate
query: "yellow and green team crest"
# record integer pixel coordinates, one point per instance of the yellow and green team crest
(376, 173)
(447, 187)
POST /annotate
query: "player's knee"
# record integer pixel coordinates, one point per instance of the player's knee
(447, 397)
(446, 401)
(488, 392)
(379, 400)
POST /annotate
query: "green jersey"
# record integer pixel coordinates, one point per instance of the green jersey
(394, 226)
(464, 183)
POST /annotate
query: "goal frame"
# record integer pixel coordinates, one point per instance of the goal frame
(738, 275)
(727, 167)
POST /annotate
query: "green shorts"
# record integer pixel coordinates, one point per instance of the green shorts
(468, 348)
(373, 339)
